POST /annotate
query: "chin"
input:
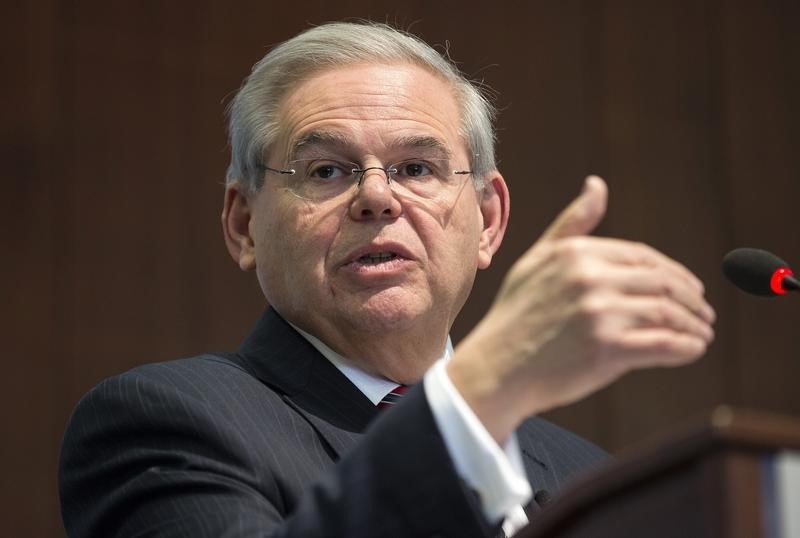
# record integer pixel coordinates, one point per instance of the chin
(390, 309)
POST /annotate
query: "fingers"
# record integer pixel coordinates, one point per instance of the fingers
(644, 308)
(586, 211)
(636, 313)
(592, 263)
(667, 283)
(658, 347)
(651, 283)
(583, 214)
(631, 253)
(576, 312)
(643, 332)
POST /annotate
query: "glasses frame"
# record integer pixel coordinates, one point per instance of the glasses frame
(388, 171)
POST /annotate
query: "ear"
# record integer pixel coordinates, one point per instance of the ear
(236, 214)
(495, 207)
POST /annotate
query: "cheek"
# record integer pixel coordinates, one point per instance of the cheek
(466, 233)
(293, 244)
(454, 248)
(283, 229)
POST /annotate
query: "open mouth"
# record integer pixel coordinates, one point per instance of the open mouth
(376, 258)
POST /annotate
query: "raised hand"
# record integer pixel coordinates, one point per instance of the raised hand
(575, 313)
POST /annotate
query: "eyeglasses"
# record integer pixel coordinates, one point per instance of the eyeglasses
(323, 179)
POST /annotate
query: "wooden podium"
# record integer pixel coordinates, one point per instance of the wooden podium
(734, 475)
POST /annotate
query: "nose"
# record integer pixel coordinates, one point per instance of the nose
(375, 198)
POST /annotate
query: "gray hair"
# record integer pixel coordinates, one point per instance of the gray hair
(253, 113)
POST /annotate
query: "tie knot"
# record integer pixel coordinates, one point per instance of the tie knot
(393, 397)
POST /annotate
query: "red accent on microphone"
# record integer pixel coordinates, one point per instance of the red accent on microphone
(776, 282)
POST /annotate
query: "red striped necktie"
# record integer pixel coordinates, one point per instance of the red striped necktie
(393, 397)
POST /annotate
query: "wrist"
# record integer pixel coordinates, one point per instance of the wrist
(481, 385)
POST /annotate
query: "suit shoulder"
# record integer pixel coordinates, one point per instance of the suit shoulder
(194, 425)
(195, 402)
(203, 376)
(207, 385)
(217, 364)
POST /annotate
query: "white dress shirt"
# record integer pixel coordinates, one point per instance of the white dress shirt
(496, 474)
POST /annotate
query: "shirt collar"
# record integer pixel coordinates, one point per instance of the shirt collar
(373, 387)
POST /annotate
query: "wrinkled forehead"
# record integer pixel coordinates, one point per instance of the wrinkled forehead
(370, 108)
(322, 143)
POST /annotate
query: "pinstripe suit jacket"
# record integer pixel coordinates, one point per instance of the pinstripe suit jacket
(273, 440)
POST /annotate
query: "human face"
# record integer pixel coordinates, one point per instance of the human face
(310, 257)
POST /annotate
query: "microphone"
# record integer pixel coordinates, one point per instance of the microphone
(759, 272)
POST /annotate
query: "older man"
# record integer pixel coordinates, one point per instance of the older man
(363, 193)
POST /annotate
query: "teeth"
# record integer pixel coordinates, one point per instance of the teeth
(377, 257)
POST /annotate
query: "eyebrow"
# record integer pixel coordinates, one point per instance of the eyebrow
(423, 142)
(336, 140)
(318, 138)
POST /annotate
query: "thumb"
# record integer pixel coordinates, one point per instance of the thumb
(583, 214)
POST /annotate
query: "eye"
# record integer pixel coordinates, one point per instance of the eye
(328, 171)
(418, 169)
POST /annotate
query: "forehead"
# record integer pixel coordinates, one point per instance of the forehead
(373, 108)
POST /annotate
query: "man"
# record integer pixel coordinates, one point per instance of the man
(363, 193)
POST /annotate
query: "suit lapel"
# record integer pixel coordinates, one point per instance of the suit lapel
(285, 361)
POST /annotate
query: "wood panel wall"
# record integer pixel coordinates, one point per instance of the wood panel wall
(114, 151)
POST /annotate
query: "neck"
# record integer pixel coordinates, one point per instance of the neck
(400, 355)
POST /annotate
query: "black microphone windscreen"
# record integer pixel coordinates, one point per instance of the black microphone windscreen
(751, 269)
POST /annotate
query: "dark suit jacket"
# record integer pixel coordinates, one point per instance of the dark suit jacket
(273, 440)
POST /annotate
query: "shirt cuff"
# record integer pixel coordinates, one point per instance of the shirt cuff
(497, 475)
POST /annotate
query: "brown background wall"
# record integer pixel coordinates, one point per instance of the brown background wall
(113, 152)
